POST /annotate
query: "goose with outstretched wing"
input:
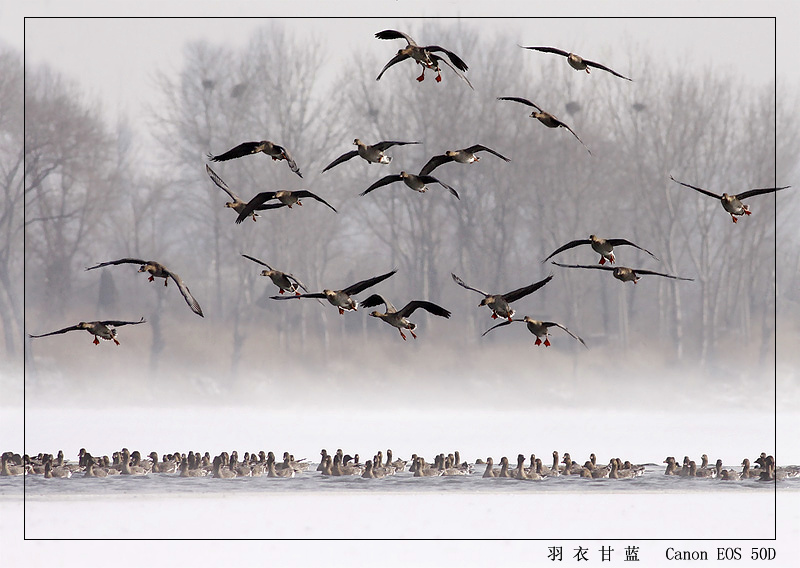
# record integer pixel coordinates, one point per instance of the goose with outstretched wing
(576, 61)
(274, 151)
(158, 270)
(499, 303)
(398, 318)
(603, 247)
(538, 328)
(342, 299)
(623, 273)
(733, 203)
(106, 329)
(549, 120)
(463, 156)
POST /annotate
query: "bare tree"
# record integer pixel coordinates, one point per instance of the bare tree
(266, 91)
(68, 182)
(11, 174)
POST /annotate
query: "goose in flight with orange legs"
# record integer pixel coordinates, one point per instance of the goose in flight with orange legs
(733, 203)
(623, 273)
(499, 303)
(424, 55)
(549, 120)
(100, 329)
(342, 298)
(274, 151)
(576, 61)
(237, 204)
(158, 270)
(286, 198)
(398, 318)
(603, 247)
(537, 328)
(463, 156)
(283, 280)
(415, 182)
(375, 154)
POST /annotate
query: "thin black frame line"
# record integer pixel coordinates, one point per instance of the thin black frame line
(775, 167)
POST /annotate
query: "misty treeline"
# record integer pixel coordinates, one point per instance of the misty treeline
(96, 191)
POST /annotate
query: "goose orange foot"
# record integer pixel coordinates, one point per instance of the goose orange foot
(494, 316)
(438, 77)
(602, 260)
(734, 219)
(115, 340)
(421, 77)
(403, 335)
(537, 342)
(414, 335)
(546, 342)
(151, 278)
(341, 312)
(96, 341)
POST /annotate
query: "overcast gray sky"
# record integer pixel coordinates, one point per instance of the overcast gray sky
(114, 59)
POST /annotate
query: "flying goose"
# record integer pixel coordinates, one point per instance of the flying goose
(375, 154)
(603, 247)
(415, 182)
(576, 61)
(424, 55)
(545, 118)
(397, 318)
(463, 156)
(274, 151)
(537, 328)
(342, 298)
(283, 280)
(733, 203)
(499, 303)
(100, 329)
(158, 270)
(285, 197)
(237, 204)
(623, 273)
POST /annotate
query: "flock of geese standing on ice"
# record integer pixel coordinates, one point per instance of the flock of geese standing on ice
(429, 57)
(226, 466)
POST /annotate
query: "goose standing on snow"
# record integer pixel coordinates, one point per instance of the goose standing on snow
(576, 61)
(158, 270)
(397, 318)
(424, 55)
(283, 280)
(100, 329)
(537, 328)
(274, 151)
(733, 203)
(415, 182)
(342, 298)
(375, 154)
(499, 303)
(285, 197)
(623, 273)
(603, 247)
(463, 156)
(549, 120)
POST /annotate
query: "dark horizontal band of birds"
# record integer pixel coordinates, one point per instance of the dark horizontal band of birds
(264, 464)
